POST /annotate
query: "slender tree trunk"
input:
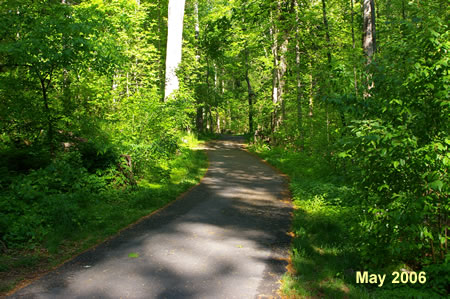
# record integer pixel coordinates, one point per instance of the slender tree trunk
(174, 45)
(197, 23)
(209, 121)
(199, 120)
(161, 72)
(299, 80)
(250, 96)
(354, 47)
(274, 35)
(279, 51)
(44, 87)
(311, 93)
(311, 100)
(369, 40)
(329, 58)
(250, 103)
(327, 33)
(218, 121)
(282, 68)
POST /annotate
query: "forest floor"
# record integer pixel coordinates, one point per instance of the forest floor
(227, 237)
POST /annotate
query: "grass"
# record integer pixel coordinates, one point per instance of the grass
(105, 214)
(324, 254)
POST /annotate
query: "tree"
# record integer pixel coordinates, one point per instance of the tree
(369, 40)
(174, 45)
(42, 41)
(299, 92)
(280, 39)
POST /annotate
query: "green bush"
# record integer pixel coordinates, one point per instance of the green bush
(47, 199)
(96, 156)
(404, 186)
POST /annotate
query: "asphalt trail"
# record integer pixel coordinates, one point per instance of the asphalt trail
(226, 238)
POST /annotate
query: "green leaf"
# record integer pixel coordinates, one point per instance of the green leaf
(385, 186)
(437, 185)
(343, 155)
(133, 255)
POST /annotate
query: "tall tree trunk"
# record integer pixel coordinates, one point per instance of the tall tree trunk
(274, 35)
(199, 113)
(174, 45)
(161, 66)
(299, 80)
(210, 120)
(311, 100)
(369, 40)
(251, 95)
(354, 46)
(282, 68)
(327, 38)
(208, 113)
(329, 59)
(327, 33)
(197, 22)
(199, 118)
(218, 129)
(279, 51)
(45, 84)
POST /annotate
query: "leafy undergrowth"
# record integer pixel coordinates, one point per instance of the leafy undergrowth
(324, 255)
(45, 228)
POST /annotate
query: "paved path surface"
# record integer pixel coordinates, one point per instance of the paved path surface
(226, 238)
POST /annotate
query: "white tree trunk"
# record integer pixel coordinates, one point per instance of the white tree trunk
(197, 23)
(174, 44)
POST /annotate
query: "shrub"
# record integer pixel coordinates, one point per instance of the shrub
(404, 187)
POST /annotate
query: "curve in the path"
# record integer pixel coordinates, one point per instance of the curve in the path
(226, 238)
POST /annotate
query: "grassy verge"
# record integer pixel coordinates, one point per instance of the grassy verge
(324, 252)
(103, 215)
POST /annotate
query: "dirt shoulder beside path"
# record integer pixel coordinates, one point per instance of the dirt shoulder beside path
(226, 238)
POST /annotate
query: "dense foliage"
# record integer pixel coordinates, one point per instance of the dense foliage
(358, 88)
(296, 77)
(87, 146)
(327, 225)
